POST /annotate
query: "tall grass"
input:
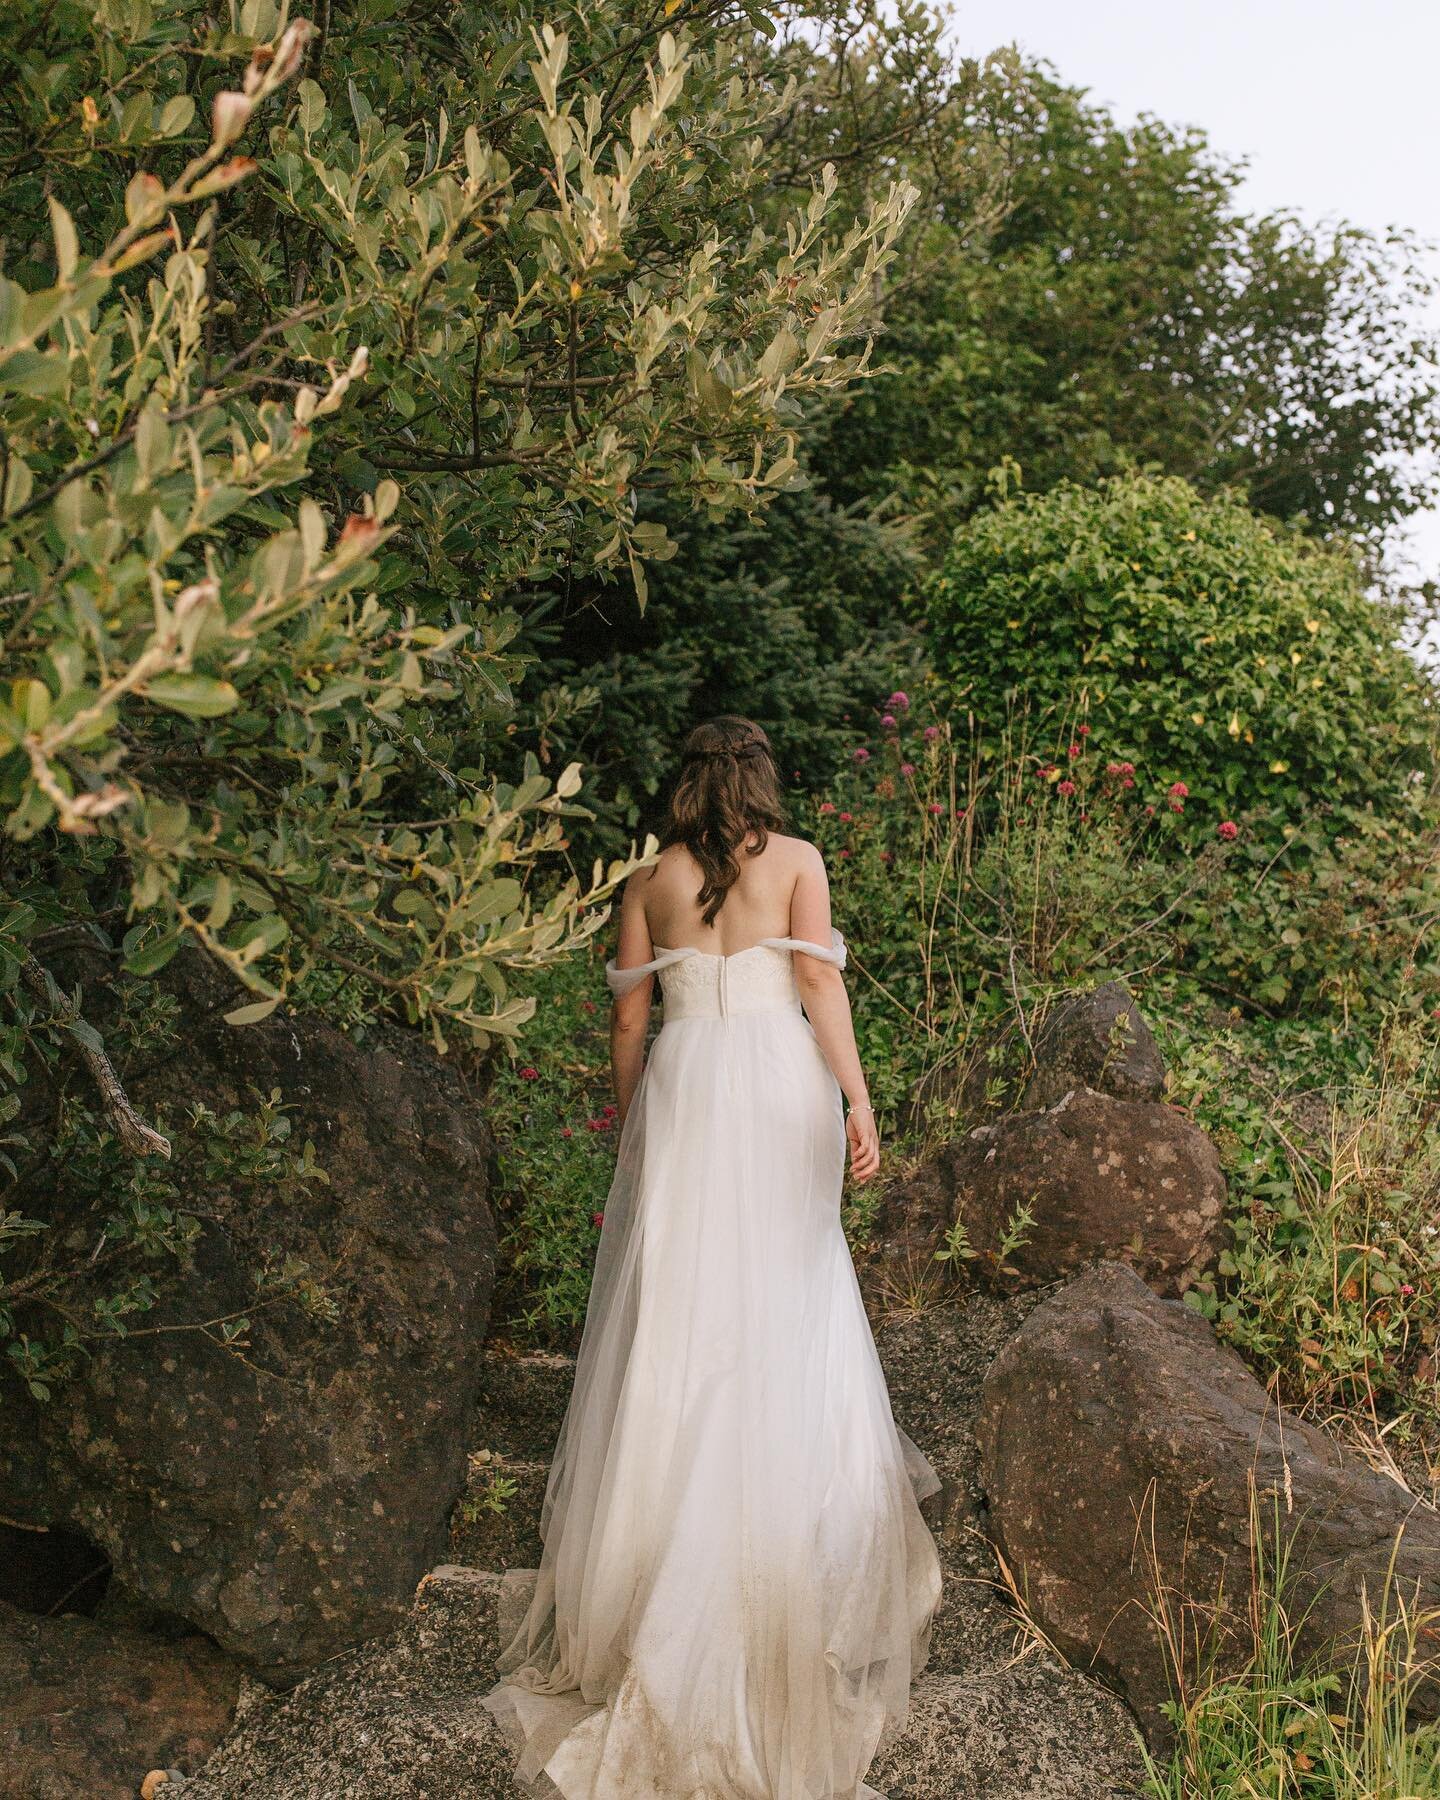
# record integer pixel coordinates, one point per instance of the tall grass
(1257, 1718)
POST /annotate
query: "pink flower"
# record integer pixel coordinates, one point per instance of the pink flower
(930, 733)
(1113, 768)
(907, 768)
(959, 812)
(936, 807)
(529, 1074)
(1228, 829)
(1405, 1288)
(899, 701)
(1067, 788)
(862, 755)
(1074, 750)
(1177, 806)
(888, 721)
(1178, 791)
(846, 818)
(1150, 812)
(597, 1219)
(827, 806)
(1128, 782)
(1084, 731)
(845, 853)
(565, 1131)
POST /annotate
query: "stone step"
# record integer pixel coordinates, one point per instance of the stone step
(402, 1720)
(496, 1523)
(1032, 1730)
(522, 1401)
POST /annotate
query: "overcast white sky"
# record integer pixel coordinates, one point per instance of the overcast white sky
(1332, 103)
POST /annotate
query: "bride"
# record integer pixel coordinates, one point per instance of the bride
(737, 1586)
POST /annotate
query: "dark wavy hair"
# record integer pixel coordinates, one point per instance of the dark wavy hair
(728, 793)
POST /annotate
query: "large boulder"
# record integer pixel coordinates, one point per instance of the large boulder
(287, 1498)
(1131, 1181)
(87, 1710)
(1121, 1446)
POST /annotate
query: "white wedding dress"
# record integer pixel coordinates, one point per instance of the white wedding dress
(737, 1585)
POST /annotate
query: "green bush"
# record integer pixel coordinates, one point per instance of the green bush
(1211, 648)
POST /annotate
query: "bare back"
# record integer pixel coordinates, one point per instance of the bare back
(776, 891)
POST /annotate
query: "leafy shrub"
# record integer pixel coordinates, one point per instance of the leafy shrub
(1332, 1284)
(1207, 646)
(288, 432)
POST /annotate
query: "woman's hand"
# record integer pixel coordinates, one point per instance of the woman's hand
(864, 1142)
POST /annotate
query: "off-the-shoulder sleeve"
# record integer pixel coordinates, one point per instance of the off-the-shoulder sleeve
(621, 981)
(835, 954)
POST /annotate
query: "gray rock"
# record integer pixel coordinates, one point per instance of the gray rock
(1100, 1041)
(286, 1501)
(1119, 1442)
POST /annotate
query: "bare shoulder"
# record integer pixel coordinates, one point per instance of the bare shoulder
(796, 853)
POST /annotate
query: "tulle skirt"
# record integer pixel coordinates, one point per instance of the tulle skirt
(737, 1585)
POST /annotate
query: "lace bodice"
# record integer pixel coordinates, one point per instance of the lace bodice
(700, 985)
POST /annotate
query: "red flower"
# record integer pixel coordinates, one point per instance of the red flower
(1178, 791)
(1128, 782)
(528, 1074)
(609, 1112)
(1074, 750)
(1113, 768)
(827, 806)
(1067, 788)
(907, 768)
(1228, 829)
(1084, 818)
(587, 1006)
(936, 807)
(845, 818)
(1084, 731)
(565, 1131)
(597, 1219)
(1177, 806)
(844, 853)
(601, 1124)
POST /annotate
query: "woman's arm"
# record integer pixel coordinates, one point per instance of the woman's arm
(630, 1013)
(827, 1006)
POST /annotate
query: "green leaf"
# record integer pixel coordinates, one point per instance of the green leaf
(197, 696)
(253, 1013)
